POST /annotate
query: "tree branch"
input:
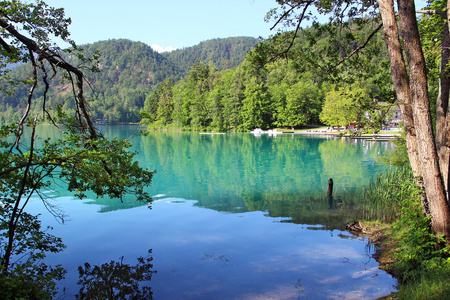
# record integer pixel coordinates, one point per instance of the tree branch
(58, 61)
(432, 12)
(360, 47)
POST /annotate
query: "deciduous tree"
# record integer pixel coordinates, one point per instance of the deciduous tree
(82, 158)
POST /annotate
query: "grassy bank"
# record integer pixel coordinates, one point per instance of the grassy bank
(406, 247)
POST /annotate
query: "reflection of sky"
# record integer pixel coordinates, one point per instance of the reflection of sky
(201, 250)
(205, 254)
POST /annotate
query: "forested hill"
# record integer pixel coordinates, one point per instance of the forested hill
(126, 63)
(224, 54)
(130, 72)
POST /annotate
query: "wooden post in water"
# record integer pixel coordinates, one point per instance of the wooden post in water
(330, 193)
(330, 188)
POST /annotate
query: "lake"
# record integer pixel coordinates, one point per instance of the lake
(234, 216)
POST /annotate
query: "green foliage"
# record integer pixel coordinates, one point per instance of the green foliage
(29, 165)
(31, 280)
(417, 245)
(129, 73)
(28, 277)
(420, 257)
(419, 249)
(387, 194)
(336, 51)
(399, 156)
(303, 105)
(430, 283)
(336, 109)
(264, 93)
(431, 28)
(353, 104)
(240, 99)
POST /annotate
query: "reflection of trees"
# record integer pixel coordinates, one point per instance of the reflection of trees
(238, 172)
(116, 280)
(285, 176)
(348, 163)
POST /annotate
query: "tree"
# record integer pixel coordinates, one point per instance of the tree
(83, 159)
(428, 151)
(336, 109)
(254, 106)
(353, 105)
(303, 104)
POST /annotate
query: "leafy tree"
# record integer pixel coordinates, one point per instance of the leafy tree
(254, 107)
(344, 58)
(83, 158)
(165, 102)
(233, 97)
(303, 104)
(336, 109)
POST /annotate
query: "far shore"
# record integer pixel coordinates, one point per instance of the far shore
(383, 134)
(312, 130)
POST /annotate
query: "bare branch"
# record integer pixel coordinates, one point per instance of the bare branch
(286, 13)
(360, 47)
(283, 53)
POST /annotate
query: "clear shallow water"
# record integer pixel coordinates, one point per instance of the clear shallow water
(235, 217)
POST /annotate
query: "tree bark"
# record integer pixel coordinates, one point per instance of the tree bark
(442, 107)
(428, 155)
(400, 79)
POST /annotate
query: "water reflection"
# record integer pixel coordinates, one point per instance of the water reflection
(285, 177)
(232, 250)
(208, 254)
(116, 280)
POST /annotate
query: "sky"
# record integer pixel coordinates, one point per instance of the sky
(165, 24)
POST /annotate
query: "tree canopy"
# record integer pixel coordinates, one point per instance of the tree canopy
(83, 159)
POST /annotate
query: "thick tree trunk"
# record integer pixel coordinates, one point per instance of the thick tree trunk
(442, 107)
(400, 79)
(428, 155)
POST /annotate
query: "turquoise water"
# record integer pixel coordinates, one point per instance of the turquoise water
(235, 217)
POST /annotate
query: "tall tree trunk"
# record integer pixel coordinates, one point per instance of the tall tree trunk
(442, 107)
(400, 79)
(428, 156)
(401, 83)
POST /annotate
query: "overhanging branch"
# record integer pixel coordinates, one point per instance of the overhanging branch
(56, 60)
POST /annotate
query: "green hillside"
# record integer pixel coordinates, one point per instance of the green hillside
(129, 73)
(224, 54)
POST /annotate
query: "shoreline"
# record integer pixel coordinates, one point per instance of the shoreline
(385, 135)
(378, 235)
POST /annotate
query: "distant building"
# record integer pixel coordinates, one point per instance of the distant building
(396, 116)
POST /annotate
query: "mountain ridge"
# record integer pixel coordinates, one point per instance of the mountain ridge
(130, 72)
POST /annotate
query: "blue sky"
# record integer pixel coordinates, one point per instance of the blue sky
(165, 23)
